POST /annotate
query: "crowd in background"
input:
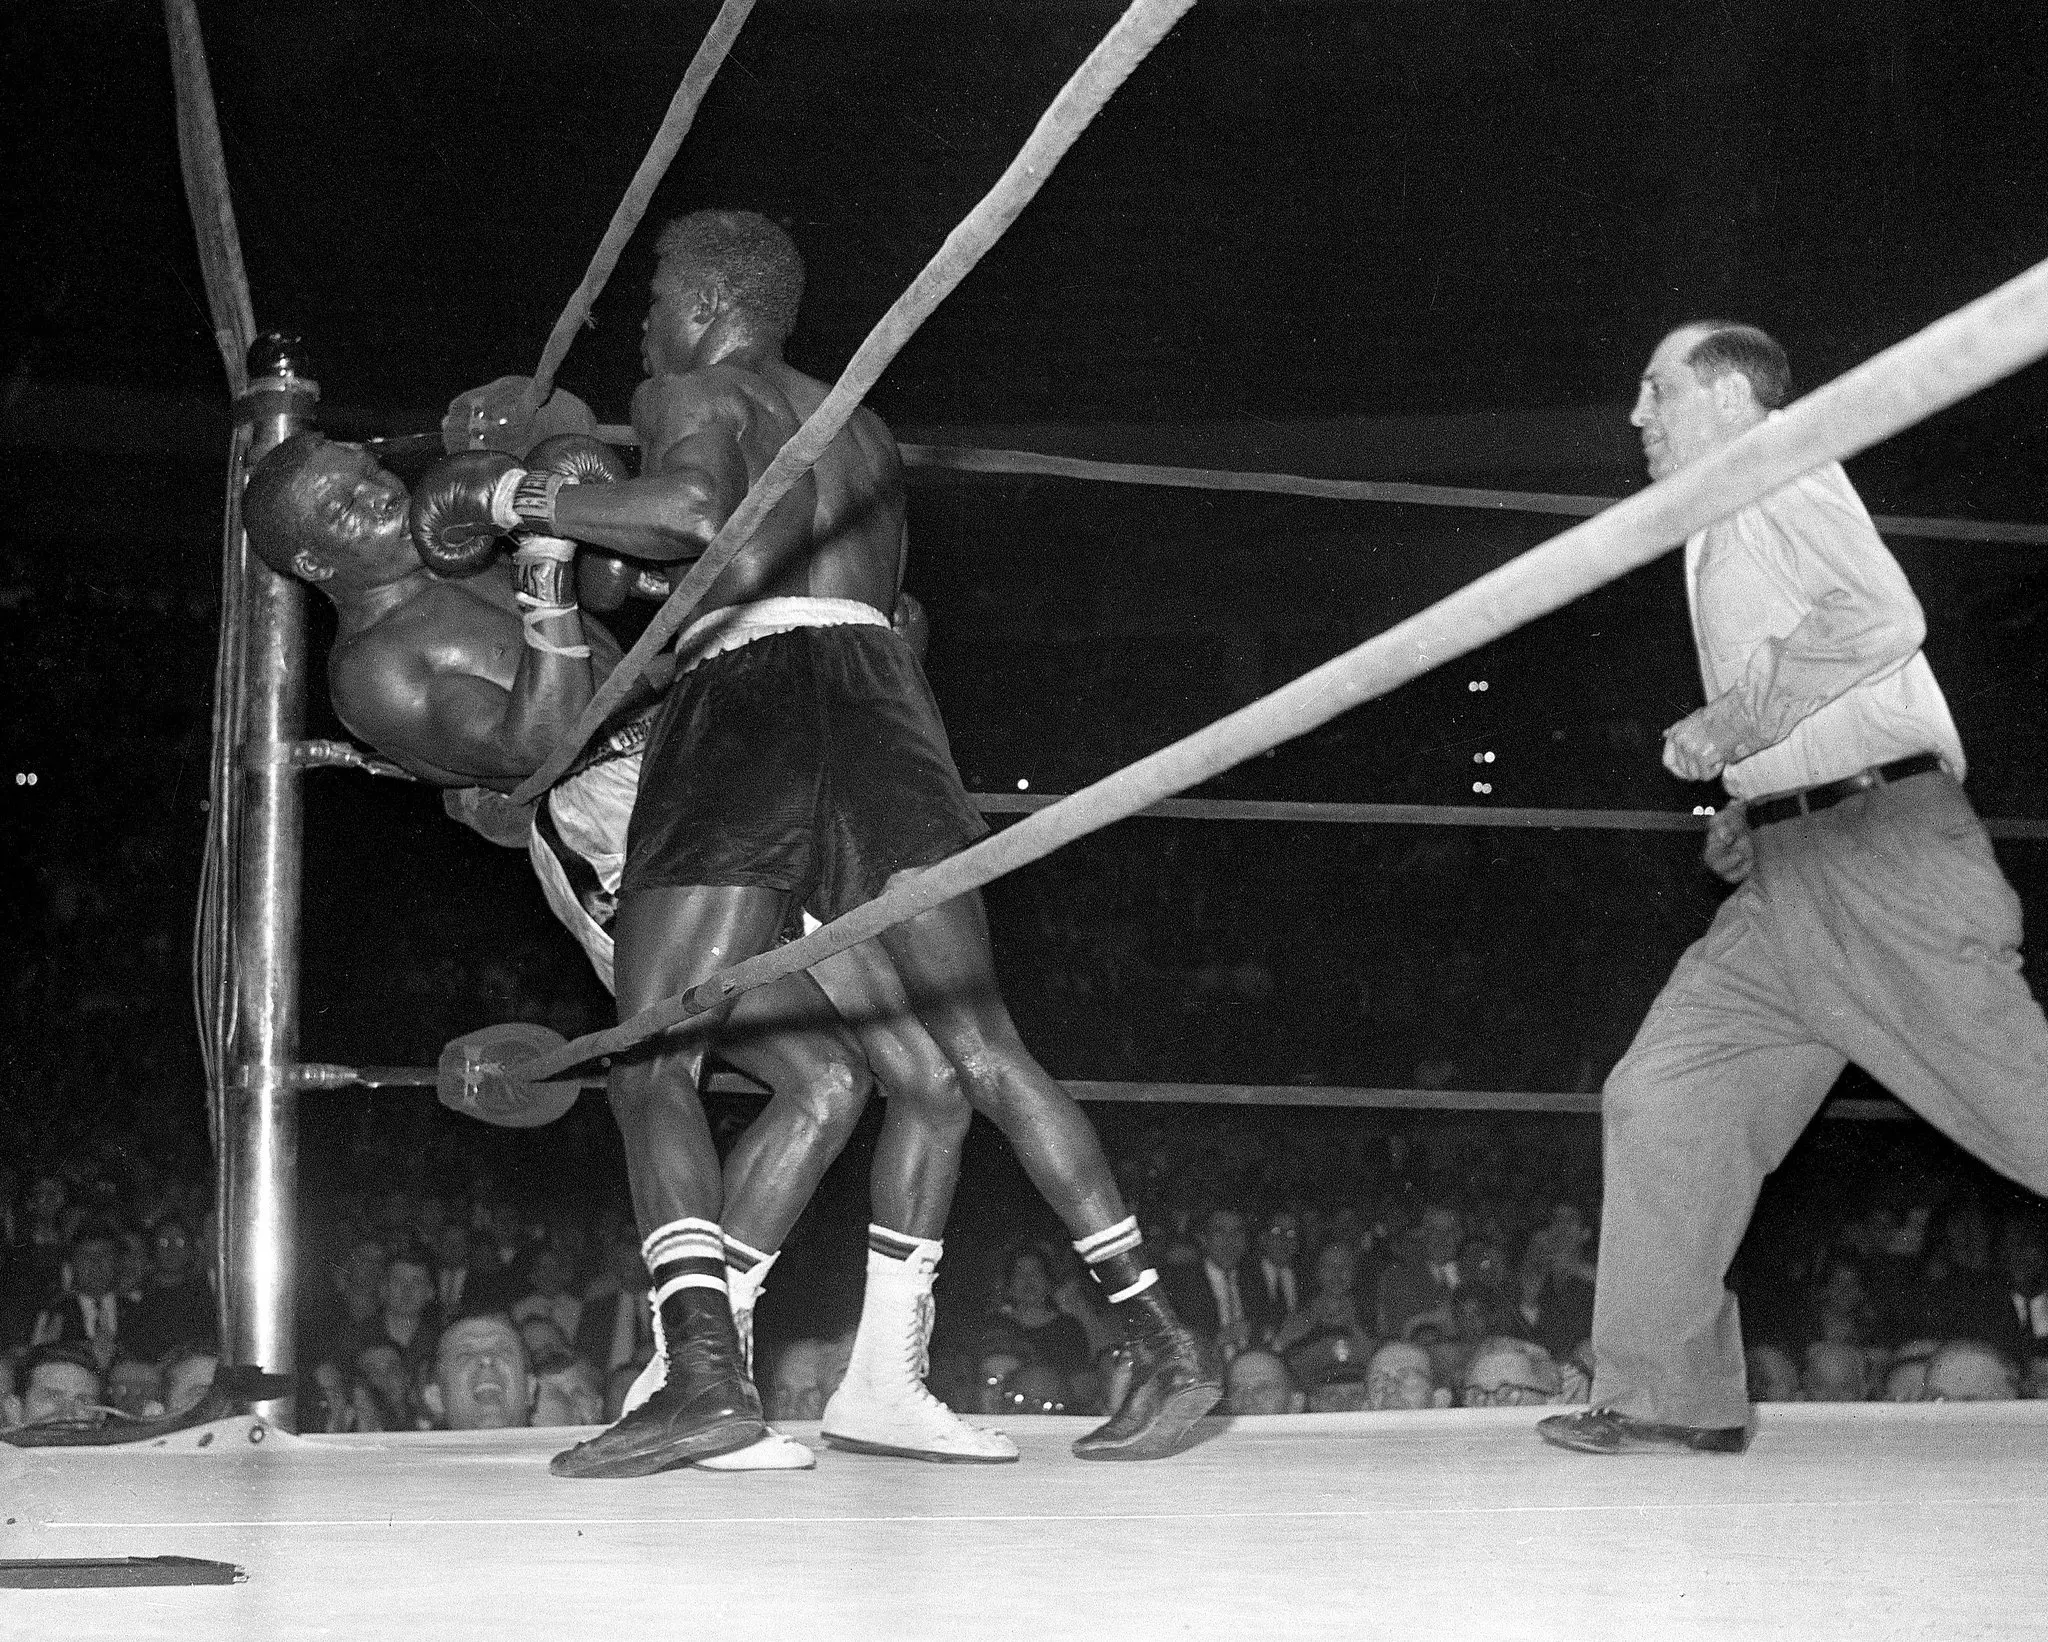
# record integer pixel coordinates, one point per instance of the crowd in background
(1340, 1261)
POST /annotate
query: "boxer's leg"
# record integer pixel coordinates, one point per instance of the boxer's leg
(949, 973)
(666, 940)
(883, 1405)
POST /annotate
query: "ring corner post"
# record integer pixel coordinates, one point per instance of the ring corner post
(258, 1100)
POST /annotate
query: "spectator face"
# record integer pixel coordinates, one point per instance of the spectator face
(1223, 1238)
(136, 1388)
(384, 1369)
(569, 1396)
(1028, 1287)
(544, 1338)
(1907, 1382)
(46, 1196)
(1965, 1372)
(481, 1379)
(1257, 1382)
(1399, 1377)
(796, 1394)
(94, 1266)
(171, 1250)
(1508, 1377)
(1442, 1230)
(408, 1288)
(190, 1379)
(1280, 1238)
(60, 1391)
(1773, 1376)
(1336, 1268)
(1834, 1374)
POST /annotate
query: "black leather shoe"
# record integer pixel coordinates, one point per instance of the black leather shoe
(1603, 1431)
(706, 1407)
(1174, 1382)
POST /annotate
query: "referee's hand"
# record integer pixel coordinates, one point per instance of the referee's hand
(1730, 852)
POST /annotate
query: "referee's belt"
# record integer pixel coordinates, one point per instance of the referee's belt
(1810, 800)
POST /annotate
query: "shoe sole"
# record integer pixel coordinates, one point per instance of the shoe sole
(726, 1437)
(1175, 1419)
(860, 1445)
(1633, 1445)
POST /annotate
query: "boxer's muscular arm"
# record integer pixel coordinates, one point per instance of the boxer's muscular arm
(694, 473)
(456, 727)
(698, 432)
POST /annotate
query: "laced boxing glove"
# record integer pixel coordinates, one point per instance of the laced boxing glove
(464, 504)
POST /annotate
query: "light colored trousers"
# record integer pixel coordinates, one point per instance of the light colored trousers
(1879, 931)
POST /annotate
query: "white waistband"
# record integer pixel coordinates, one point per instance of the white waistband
(718, 631)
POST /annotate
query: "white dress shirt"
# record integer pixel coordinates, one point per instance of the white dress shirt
(1803, 618)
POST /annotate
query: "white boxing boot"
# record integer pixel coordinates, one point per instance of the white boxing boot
(882, 1406)
(774, 1452)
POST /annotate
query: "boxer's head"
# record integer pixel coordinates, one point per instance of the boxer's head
(325, 512)
(720, 275)
(1707, 383)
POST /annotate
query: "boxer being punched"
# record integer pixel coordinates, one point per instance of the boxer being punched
(464, 684)
(799, 756)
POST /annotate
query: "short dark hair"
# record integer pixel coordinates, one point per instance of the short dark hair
(1729, 345)
(277, 524)
(758, 262)
(75, 1352)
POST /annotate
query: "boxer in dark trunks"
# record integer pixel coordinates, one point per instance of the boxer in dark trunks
(445, 677)
(833, 776)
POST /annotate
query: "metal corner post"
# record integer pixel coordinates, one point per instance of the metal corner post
(260, 1107)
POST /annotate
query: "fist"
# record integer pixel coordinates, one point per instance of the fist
(1731, 852)
(454, 516)
(1702, 744)
(604, 581)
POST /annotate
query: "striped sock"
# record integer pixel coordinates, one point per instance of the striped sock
(744, 1257)
(684, 1254)
(1115, 1256)
(898, 1245)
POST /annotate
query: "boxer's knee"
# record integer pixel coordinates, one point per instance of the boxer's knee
(830, 1098)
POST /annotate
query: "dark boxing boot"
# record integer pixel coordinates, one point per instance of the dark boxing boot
(707, 1406)
(1174, 1382)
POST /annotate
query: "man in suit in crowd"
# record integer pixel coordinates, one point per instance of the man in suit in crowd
(1424, 1274)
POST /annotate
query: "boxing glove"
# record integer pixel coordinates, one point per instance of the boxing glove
(465, 503)
(604, 581)
(579, 459)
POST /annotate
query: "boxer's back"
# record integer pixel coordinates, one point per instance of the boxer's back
(857, 525)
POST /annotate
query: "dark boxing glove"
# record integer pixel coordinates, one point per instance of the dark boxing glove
(579, 459)
(464, 504)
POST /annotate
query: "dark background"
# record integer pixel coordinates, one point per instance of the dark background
(1428, 241)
